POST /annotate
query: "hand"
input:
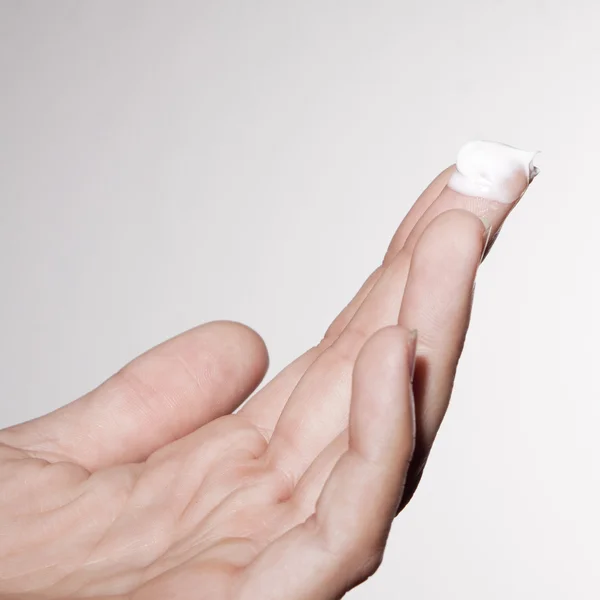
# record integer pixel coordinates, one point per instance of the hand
(150, 488)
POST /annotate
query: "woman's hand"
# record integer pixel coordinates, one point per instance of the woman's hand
(150, 488)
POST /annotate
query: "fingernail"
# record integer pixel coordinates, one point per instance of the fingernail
(412, 352)
(493, 171)
(486, 236)
(534, 169)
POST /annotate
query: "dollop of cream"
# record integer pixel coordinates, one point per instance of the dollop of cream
(493, 171)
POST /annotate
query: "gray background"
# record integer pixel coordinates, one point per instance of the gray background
(168, 163)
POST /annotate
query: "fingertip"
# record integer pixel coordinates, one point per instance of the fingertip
(443, 177)
(456, 233)
(242, 337)
(389, 350)
(418, 209)
(382, 409)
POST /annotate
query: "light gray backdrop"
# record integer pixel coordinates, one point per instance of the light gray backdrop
(168, 163)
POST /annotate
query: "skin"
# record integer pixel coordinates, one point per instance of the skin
(151, 487)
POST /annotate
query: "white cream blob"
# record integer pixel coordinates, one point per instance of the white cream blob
(493, 171)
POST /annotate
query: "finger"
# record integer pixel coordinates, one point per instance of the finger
(318, 408)
(159, 397)
(317, 413)
(496, 177)
(424, 201)
(414, 216)
(342, 543)
(265, 407)
(437, 300)
(441, 252)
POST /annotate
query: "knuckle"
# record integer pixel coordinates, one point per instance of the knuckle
(346, 348)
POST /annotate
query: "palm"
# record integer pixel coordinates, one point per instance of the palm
(150, 487)
(200, 507)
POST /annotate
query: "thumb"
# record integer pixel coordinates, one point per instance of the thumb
(159, 397)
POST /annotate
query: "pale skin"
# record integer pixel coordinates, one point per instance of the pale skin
(151, 487)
